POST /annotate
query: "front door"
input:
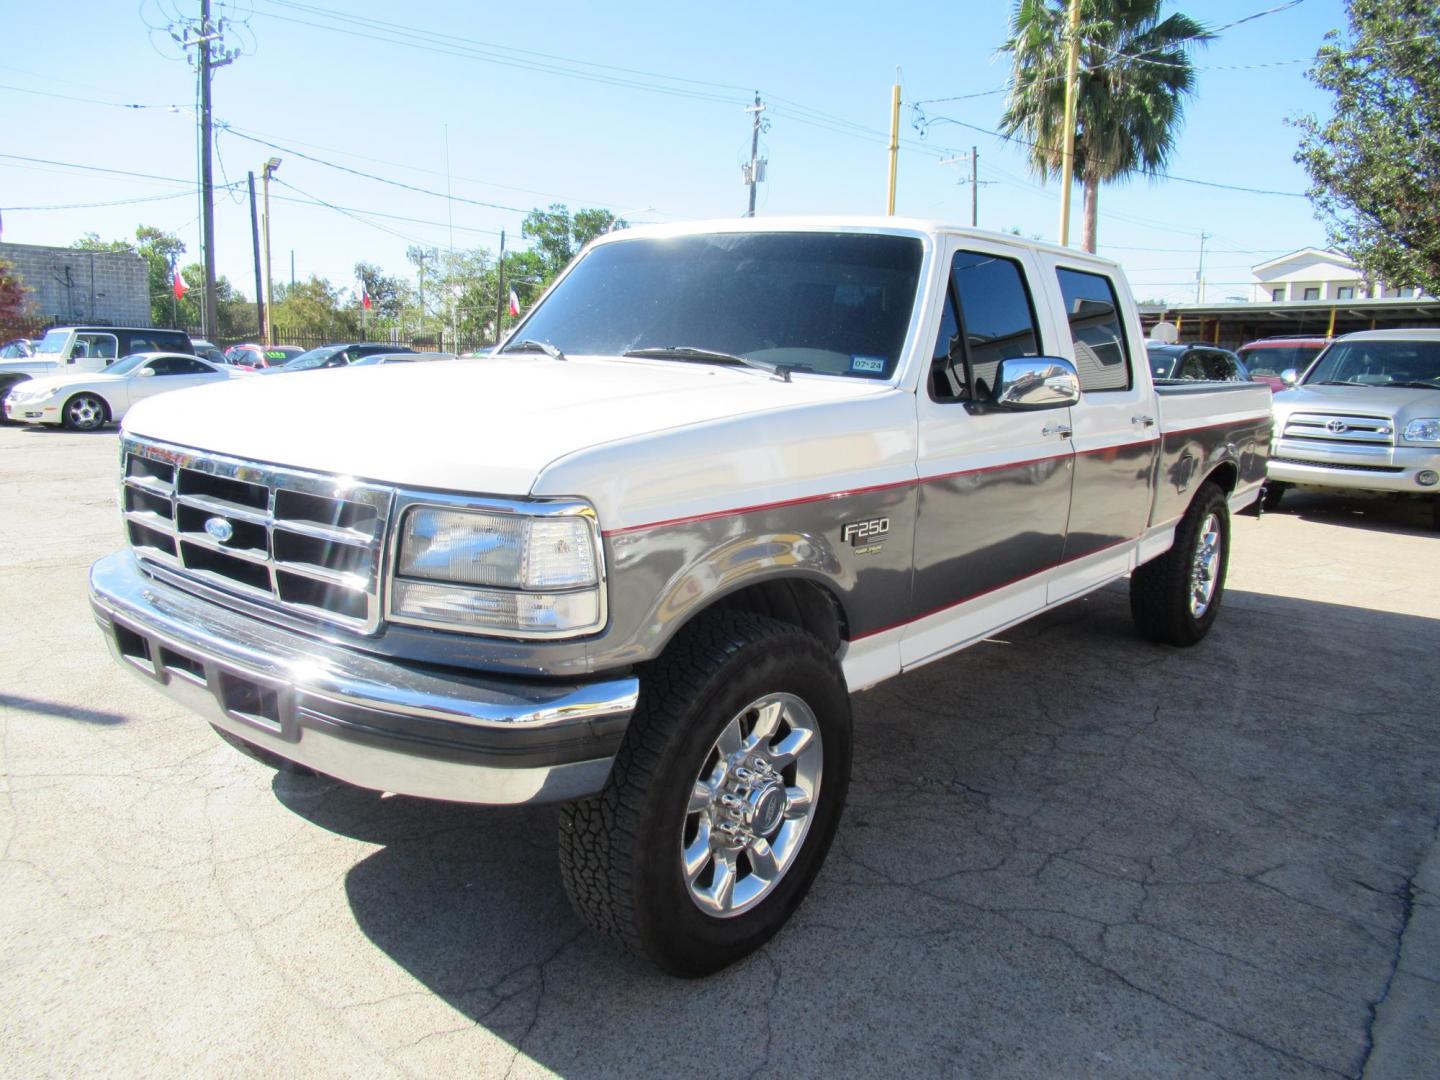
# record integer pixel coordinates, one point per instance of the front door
(994, 486)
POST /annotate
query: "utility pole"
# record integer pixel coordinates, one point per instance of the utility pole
(259, 267)
(1067, 159)
(1200, 271)
(209, 39)
(500, 289)
(755, 171)
(974, 159)
(266, 172)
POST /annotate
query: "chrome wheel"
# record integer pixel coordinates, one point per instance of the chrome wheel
(751, 805)
(85, 412)
(1205, 567)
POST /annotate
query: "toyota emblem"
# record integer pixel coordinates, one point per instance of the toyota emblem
(219, 529)
(1337, 427)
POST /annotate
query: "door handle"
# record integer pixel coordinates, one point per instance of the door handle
(1143, 421)
(1063, 430)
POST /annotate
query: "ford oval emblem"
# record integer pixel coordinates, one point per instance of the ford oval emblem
(219, 529)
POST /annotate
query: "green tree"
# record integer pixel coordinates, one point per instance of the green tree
(388, 295)
(92, 242)
(314, 308)
(1375, 164)
(1133, 80)
(558, 237)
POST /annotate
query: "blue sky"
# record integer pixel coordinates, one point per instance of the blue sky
(655, 129)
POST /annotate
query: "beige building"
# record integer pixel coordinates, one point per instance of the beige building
(1317, 274)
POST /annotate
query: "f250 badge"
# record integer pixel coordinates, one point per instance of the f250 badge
(867, 536)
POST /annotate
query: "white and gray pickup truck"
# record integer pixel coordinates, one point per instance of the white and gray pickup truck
(720, 478)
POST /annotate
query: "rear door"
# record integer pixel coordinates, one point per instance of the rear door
(1116, 427)
(994, 486)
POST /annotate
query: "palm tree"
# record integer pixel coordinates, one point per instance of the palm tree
(1130, 96)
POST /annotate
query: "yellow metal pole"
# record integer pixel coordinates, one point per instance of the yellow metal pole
(1067, 157)
(894, 145)
(1179, 325)
(1331, 331)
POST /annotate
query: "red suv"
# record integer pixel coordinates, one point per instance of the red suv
(1268, 358)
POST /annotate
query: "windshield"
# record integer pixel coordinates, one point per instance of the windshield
(832, 303)
(129, 364)
(1275, 359)
(52, 343)
(1380, 363)
(314, 358)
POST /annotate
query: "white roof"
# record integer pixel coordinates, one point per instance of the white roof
(901, 226)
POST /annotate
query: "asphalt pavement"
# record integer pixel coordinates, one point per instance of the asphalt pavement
(1068, 852)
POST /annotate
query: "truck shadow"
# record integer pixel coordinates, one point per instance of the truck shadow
(1370, 512)
(55, 708)
(1064, 847)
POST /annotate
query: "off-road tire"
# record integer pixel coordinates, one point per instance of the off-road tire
(620, 850)
(1160, 590)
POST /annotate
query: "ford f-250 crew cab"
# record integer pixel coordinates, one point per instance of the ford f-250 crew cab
(720, 478)
(1364, 417)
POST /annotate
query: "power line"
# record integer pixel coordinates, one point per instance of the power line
(923, 120)
(368, 176)
(87, 100)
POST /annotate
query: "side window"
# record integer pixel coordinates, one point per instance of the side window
(1101, 354)
(140, 344)
(178, 365)
(103, 345)
(1192, 366)
(995, 320)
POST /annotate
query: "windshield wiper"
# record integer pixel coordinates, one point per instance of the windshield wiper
(531, 345)
(1335, 382)
(710, 356)
(1414, 384)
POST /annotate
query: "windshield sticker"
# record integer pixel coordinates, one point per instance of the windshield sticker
(868, 363)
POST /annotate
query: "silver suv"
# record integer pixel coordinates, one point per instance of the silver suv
(1365, 417)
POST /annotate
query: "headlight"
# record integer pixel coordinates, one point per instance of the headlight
(1423, 431)
(510, 574)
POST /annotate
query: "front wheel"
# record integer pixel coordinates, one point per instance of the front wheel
(1175, 598)
(1271, 495)
(724, 797)
(85, 412)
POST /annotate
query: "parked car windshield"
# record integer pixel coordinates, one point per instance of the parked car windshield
(52, 343)
(832, 303)
(1274, 359)
(314, 358)
(1380, 363)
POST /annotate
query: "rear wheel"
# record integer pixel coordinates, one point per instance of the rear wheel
(723, 800)
(85, 412)
(1175, 598)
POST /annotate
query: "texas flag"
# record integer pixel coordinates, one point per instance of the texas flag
(514, 302)
(365, 300)
(180, 287)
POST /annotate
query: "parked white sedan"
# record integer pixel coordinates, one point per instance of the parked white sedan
(93, 399)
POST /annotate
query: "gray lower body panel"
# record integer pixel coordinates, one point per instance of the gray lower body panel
(371, 721)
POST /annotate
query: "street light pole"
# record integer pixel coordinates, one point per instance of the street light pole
(266, 171)
(1067, 158)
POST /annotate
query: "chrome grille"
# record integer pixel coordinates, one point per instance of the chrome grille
(1341, 429)
(307, 543)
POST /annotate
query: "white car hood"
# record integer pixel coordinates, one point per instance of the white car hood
(60, 382)
(488, 425)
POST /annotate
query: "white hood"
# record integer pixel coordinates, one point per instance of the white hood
(488, 425)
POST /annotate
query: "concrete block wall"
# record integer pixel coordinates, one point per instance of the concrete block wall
(69, 285)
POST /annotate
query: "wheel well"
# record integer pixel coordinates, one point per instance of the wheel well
(805, 604)
(104, 405)
(1227, 476)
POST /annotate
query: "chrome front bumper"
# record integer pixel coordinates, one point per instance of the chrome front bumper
(368, 720)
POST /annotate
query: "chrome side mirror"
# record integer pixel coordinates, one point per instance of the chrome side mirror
(1035, 382)
(1290, 376)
